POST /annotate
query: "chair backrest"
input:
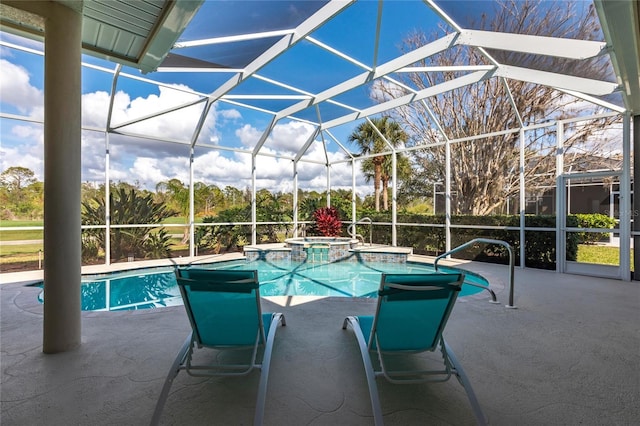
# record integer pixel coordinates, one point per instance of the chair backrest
(413, 310)
(223, 305)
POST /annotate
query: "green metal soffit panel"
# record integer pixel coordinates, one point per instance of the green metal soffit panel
(138, 34)
(620, 22)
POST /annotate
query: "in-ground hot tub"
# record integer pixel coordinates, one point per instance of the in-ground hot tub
(320, 249)
(326, 250)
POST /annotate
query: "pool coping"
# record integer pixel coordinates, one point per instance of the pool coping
(38, 275)
(29, 278)
(35, 276)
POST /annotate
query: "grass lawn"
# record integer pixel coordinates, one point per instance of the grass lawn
(10, 235)
(174, 220)
(14, 223)
(603, 255)
(19, 253)
(29, 252)
(182, 220)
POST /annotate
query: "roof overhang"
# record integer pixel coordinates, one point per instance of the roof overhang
(620, 21)
(137, 34)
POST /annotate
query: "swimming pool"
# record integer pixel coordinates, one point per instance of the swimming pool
(156, 287)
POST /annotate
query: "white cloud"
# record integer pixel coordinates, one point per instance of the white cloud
(290, 137)
(230, 114)
(174, 125)
(17, 90)
(276, 174)
(27, 154)
(18, 157)
(285, 139)
(274, 168)
(93, 157)
(28, 132)
(95, 108)
(248, 135)
(149, 171)
(148, 162)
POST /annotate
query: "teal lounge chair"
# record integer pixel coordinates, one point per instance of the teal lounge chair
(224, 311)
(412, 312)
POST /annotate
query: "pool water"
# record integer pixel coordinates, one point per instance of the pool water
(157, 287)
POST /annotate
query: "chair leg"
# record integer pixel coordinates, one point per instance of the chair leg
(464, 381)
(264, 369)
(368, 368)
(173, 372)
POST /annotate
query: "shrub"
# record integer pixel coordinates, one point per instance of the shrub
(128, 206)
(327, 221)
(540, 248)
(157, 245)
(595, 220)
(90, 245)
(226, 238)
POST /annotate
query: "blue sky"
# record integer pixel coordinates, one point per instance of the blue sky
(147, 162)
(307, 67)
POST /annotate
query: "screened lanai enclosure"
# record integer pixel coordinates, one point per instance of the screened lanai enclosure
(505, 118)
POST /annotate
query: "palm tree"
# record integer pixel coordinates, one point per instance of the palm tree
(370, 142)
(176, 195)
(272, 208)
(403, 171)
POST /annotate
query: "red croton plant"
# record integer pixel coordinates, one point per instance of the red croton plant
(328, 221)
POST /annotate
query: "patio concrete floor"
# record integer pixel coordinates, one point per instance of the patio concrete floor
(568, 355)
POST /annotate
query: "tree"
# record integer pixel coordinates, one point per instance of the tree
(341, 200)
(312, 200)
(207, 198)
(370, 142)
(21, 193)
(403, 171)
(176, 195)
(483, 169)
(272, 208)
(15, 178)
(91, 191)
(233, 196)
(226, 238)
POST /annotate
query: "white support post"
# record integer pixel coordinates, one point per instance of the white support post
(522, 200)
(254, 227)
(636, 199)
(434, 197)
(107, 204)
(394, 199)
(327, 167)
(107, 178)
(561, 208)
(295, 199)
(192, 234)
(354, 213)
(447, 194)
(62, 176)
(625, 201)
